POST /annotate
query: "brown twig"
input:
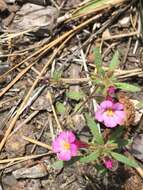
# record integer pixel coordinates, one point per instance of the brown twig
(20, 109)
(37, 142)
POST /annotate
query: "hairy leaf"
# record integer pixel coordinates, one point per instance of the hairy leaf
(91, 157)
(94, 128)
(124, 159)
(75, 95)
(116, 134)
(60, 107)
(93, 5)
(57, 75)
(128, 87)
(114, 62)
(98, 62)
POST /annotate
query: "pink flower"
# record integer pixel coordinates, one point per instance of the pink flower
(108, 163)
(111, 90)
(110, 113)
(110, 98)
(65, 145)
(110, 93)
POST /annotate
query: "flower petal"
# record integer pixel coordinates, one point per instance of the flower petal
(56, 146)
(109, 121)
(67, 136)
(120, 115)
(118, 106)
(64, 155)
(99, 115)
(71, 136)
(63, 135)
(108, 164)
(111, 90)
(106, 104)
(73, 150)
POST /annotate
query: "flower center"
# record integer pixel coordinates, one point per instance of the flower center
(66, 145)
(110, 112)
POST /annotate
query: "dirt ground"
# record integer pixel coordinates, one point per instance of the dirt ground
(46, 53)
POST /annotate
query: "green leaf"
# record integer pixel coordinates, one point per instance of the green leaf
(60, 107)
(78, 107)
(116, 134)
(124, 159)
(116, 137)
(128, 87)
(90, 6)
(123, 142)
(94, 128)
(98, 61)
(98, 81)
(58, 165)
(57, 75)
(91, 157)
(101, 170)
(114, 62)
(75, 95)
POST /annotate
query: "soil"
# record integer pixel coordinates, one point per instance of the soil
(28, 32)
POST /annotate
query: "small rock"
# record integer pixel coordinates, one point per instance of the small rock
(124, 21)
(138, 111)
(34, 184)
(137, 147)
(36, 171)
(20, 185)
(15, 145)
(106, 34)
(10, 1)
(8, 181)
(42, 103)
(4, 67)
(1, 135)
(26, 164)
(31, 16)
(3, 5)
(79, 121)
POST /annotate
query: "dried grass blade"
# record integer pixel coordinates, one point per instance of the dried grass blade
(19, 111)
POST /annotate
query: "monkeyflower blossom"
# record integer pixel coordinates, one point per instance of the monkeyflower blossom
(110, 93)
(66, 146)
(110, 113)
(108, 163)
(111, 90)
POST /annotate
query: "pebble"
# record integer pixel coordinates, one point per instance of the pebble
(36, 171)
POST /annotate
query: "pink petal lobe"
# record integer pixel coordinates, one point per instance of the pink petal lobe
(56, 146)
(67, 136)
(106, 104)
(63, 135)
(65, 156)
(111, 90)
(73, 150)
(118, 106)
(108, 164)
(99, 115)
(71, 136)
(109, 121)
(120, 115)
